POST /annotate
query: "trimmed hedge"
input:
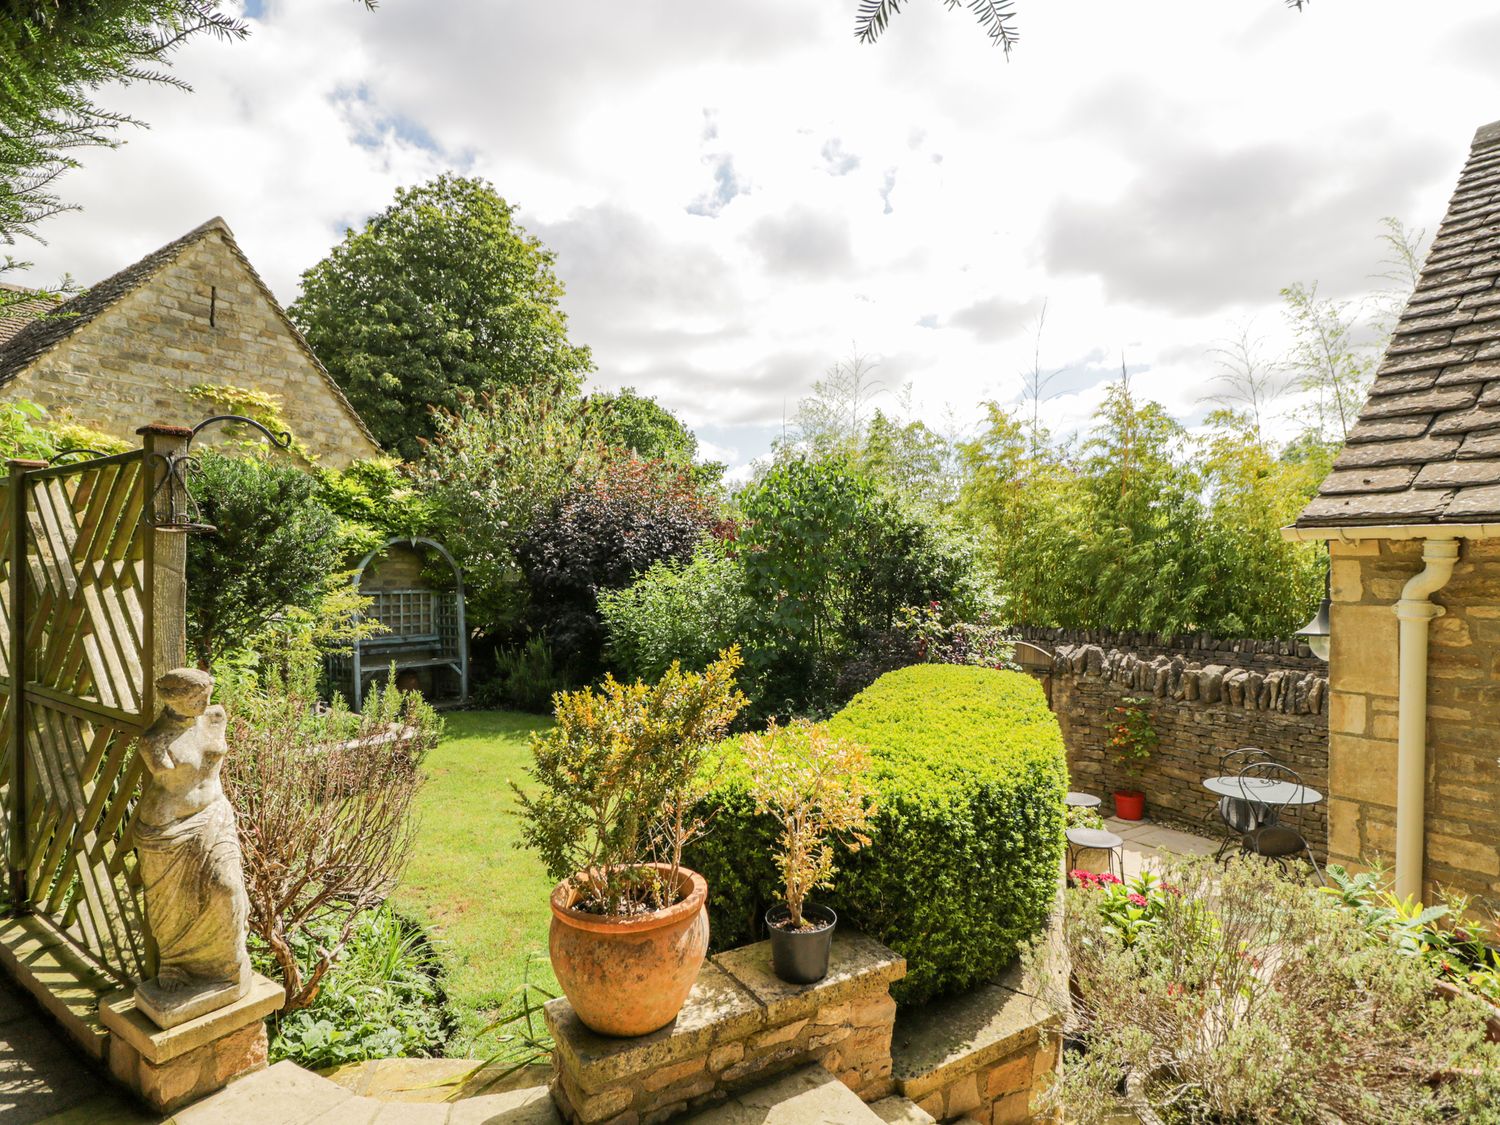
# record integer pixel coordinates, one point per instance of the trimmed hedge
(970, 775)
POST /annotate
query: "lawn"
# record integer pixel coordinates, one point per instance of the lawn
(483, 899)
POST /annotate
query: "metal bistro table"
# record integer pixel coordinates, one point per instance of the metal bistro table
(1262, 791)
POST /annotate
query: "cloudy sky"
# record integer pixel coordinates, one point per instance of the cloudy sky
(740, 195)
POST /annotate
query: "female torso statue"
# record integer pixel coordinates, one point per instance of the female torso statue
(189, 853)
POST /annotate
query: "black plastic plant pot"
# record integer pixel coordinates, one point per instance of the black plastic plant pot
(801, 956)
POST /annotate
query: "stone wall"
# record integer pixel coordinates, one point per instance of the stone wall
(741, 1025)
(1203, 699)
(135, 362)
(1463, 714)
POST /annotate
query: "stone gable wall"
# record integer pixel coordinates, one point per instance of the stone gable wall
(1202, 701)
(1463, 714)
(135, 362)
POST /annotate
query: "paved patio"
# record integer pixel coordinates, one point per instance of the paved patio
(1146, 843)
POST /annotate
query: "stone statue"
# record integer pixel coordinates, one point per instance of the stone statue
(190, 859)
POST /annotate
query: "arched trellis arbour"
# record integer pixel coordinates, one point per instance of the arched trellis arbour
(425, 639)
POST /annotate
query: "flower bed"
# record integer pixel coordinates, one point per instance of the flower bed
(1240, 995)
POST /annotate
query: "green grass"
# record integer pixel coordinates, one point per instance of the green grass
(483, 899)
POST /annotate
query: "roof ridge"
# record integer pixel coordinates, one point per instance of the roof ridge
(1487, 134)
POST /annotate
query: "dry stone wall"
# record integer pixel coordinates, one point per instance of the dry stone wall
(1205, 696)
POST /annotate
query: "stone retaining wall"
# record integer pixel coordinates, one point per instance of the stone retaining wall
(740, 1026)
(1202, 701)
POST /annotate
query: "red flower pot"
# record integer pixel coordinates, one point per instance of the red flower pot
(1130, 804)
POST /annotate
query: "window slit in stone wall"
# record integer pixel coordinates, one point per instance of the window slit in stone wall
(213, 305)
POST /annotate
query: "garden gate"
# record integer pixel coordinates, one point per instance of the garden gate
(92, 560)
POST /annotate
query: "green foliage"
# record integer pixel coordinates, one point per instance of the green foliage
(1238, 994)
(1454, 947)
(1132, 736)
(644, 426)
(57, 56)
(384, 999)
(375, 500)
(440, 296)
(676, 611)
(969, 776)
(259, 406)
(602, 532)
(27, 434)
(492, 467)
(814, 786)
(274, 547)
(617, 778)
(526, 677)
(829, 561)
(1143, 527)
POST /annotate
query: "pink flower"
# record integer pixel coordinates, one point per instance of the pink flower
(1136, 900)
(1106, 878)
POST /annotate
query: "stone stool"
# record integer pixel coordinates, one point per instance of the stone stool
(1096, 839)
(1081, 801)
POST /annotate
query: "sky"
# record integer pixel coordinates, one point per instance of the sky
(740, 195)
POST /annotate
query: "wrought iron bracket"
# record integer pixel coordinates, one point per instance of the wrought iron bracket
(173, 506)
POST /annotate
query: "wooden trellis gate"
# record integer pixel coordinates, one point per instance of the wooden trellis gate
(93, 599)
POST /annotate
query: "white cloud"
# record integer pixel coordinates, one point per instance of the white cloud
(740, 194)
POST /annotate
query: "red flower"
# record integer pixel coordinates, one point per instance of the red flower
(1137, 900)
(1106, 878)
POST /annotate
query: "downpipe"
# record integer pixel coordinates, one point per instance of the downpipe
(1416, 613)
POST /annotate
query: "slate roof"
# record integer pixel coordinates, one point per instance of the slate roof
(35, 337)
(18, 307)
(1426, 448)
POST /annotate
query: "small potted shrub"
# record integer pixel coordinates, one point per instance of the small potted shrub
(1131, 738)
(813, 784)
(616, 782)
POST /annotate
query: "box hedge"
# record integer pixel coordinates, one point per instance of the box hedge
(970, 773)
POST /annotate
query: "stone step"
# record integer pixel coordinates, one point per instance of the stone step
(46, 965)
(806, 1095)
(285, 1094)
(897, 1110)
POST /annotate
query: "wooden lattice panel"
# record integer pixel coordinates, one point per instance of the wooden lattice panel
(86, 659)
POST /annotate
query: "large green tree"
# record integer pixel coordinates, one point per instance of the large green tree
(440, 296)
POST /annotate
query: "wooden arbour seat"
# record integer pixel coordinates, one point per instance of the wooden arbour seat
(424, 624)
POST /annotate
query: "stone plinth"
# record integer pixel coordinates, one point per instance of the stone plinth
(172, 1067)
(740, 1026)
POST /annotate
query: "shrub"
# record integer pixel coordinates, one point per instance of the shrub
(969, 777)
(618, 782)
(526, 677)
(274, 547)
(324, 801)
(814, 786)
(599, 535)
(1189, 990)
(686, 612)
(829, 562)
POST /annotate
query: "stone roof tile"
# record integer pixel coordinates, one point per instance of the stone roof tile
(1421, 402)
(1397, 478)
(1426, 448)
(1456, 474)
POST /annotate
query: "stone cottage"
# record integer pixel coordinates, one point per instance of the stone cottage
(1411, 515)
(155, 341)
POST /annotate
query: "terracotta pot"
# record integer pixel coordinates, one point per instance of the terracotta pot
(630, 975)
(1130, 804)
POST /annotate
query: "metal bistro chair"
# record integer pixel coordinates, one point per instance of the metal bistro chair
(1270, 838)
(1235, 815)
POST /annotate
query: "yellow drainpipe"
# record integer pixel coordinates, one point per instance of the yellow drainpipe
(1416, 612)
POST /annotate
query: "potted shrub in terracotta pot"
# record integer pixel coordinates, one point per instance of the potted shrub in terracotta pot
(615, 784)
(1131, 738)
(813, 784)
